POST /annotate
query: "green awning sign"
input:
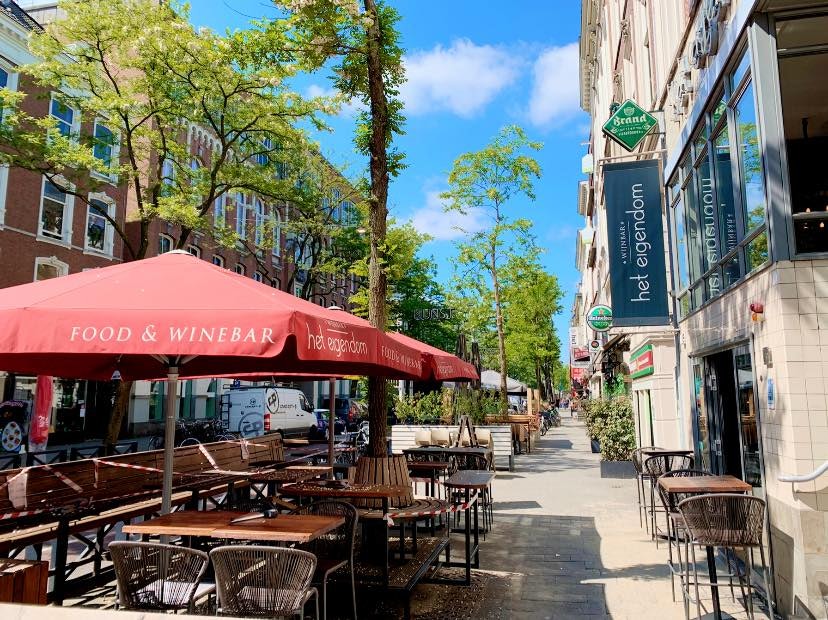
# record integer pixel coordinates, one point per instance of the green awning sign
(599, 318)
(629, 124)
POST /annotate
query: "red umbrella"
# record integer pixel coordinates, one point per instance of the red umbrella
(177, 314)
(440, 365)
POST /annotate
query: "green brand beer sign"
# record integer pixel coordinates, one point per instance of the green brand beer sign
(629, 124)
(599, 318)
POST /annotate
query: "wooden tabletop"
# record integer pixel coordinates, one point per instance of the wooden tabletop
(435, 465)
(295, 473)
(665, 451)
(368, 491)
(216, 524)
(704, 484)
(470, 479)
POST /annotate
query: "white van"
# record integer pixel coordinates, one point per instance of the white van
(260, 410)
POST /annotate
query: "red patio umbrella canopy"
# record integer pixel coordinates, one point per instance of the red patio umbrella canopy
(440, 365)
(140, 317)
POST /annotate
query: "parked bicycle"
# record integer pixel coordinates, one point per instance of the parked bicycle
(194, 432)
(549, 418)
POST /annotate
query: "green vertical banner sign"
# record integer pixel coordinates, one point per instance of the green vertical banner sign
(638, 276)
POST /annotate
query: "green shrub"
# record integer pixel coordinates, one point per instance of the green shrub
(610, 421)
(428, 408)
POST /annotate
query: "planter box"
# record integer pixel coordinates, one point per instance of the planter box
(402, 438)
(595, 445)
(617, 469)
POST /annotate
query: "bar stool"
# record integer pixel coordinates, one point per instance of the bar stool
(641, 476)
(656, 466)
(729, 521)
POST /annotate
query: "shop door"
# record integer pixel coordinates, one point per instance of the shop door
(726, 448)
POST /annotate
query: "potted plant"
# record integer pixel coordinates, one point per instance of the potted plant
(617, 438)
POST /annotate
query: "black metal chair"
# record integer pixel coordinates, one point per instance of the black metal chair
(158, 577)
(729, 521)
(334, 550)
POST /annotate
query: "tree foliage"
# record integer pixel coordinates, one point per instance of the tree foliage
(485, 183)
(141, 68)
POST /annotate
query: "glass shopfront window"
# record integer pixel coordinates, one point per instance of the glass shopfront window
(721, 197)
(802, 47)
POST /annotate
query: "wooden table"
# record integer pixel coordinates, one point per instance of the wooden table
(469, 480)
(383, 492)
(432, 469)
(272, 478)
(217, 524)
(666, 452)
(449, 451)
(702, 485)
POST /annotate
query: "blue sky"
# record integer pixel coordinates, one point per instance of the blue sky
(473, 68)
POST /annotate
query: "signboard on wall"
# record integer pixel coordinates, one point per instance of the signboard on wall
(638, 276)
(629, 124)
(641, 362)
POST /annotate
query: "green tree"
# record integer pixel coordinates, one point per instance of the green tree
(140, 67)
(485, 182)
(531, 299)
(362, 42)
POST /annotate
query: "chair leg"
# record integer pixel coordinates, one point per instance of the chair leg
(638, 489)
(324, 599)
(353, 589)
(696, 581)
(748, 578)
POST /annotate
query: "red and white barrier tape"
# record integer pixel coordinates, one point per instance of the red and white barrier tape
(430, 513)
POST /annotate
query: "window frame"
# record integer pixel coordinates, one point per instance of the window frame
(695, 295)
(220, 206)
(51, 261)
(68, 212)
(218, 260)
(168, 239)
(241, 215)
(74, 128)
(193, 249)
(116, 149)
(240, 269)
(109, 230)
(258, 276)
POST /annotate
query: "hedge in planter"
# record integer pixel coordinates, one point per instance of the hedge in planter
(610, 422)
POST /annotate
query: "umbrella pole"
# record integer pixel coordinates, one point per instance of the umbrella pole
(169, 439)
(331, 425)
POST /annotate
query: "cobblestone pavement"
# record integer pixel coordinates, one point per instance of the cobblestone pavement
(570, 543)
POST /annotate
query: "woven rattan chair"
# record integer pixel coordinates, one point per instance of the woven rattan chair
(728, 521)
(334, 550)
(479, 462)
(642, 479)
(656, 466)
(158, 577)
(263, 582)
(675, 531)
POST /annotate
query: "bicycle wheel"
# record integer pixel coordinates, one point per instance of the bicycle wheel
(190, 441)
(156, 442)
(227, 437)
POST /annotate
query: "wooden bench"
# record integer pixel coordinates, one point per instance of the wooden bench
(51, 503)
(402, 438)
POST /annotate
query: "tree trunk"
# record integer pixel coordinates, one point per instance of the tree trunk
(119, 410)
(539, 381)
(501, 336)
(377, 224)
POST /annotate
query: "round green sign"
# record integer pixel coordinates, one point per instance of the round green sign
(599, 318)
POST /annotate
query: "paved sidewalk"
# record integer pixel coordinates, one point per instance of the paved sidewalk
(571, 542)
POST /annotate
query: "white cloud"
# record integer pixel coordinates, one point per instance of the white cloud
(432, 220)
(556, 86)
(349, 108)
(462, 78)
(562, 233)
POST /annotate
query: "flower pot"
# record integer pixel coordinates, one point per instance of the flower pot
(596, 446)
(617, 469)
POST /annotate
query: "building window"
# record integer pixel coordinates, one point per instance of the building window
(242, 207)
(165, 243)
(4, 184)
(257, 275)
(55, 213)
(240, 269)
(263, 156)
(218, 261)
(258, 233)
(803, 54)
(48, 268)
(167, 176)
(8, 80)
(194, 250)
(105, 145)
(99, 230)
(717, 197)
(276, 283)
(297, 289)
(220, 211)
(67, 118)
(277, 232)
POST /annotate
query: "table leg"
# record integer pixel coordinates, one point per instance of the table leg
(711, 568)
(385, 555)
(476, 531)
(468, 540)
